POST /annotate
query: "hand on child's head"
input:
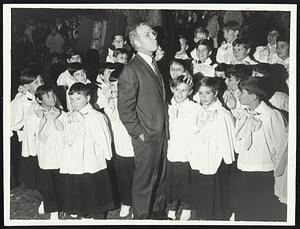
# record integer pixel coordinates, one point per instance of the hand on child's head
(188, 78)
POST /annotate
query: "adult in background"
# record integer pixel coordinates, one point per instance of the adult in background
(55, 41)
(143, 111)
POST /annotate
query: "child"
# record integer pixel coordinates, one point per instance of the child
(23, 105)
(182, 117)
(124, 157)
(49, 147)
(65, 79)
(103, 82)
(211, 155)
(282, 51)
(225, 51)
(78, 74)
(264, 54)
(261, 137)
(182, 53)
(87, 190)
(233, 75)
(118, 42)
(241, 50)
(203, 63)
(120, 55)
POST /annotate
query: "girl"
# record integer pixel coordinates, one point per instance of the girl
(182, 116)
(261, 140)
(23, 105)
(87, 189)
(50, 145)
(211, 155)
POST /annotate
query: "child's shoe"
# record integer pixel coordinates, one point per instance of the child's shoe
(124, 210)
(54, 215)
(171, 215)
(41, 209)
(185, 214)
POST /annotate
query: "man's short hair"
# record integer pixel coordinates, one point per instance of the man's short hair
(133, 36)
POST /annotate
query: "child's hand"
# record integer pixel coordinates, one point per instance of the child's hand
(23, 89)
(188, 78)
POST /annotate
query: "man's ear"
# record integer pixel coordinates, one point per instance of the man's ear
(137, 43)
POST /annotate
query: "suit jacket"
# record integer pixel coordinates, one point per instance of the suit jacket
(141, 101)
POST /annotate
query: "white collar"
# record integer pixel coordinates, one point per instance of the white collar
(86, 109)
(146, 57)
(215, 106)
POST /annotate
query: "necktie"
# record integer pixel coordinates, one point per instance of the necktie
(158, 75)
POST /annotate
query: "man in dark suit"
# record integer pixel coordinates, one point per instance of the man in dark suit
(143, 111)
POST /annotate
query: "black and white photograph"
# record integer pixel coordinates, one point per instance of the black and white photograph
(149, 114)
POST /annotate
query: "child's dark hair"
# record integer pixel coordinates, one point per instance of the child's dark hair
(210, 82)
(72, 52)
(239, 71)
(28, 75)
(180, 79)
(118, 34)
(42, 90)
(201, 29)
(254, 85)
(232, 25)
(242, 41)
(79, 88)
(114, 76)
(74, 67)
(264, 68)
(178, 61)
(205, 42)
(283, 38)
(106, 65)
(119, 51)
(222, 67)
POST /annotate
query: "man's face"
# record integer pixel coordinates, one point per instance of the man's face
(146, 42)
(240, 52)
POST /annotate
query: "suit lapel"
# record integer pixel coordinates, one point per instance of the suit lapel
(153, 75)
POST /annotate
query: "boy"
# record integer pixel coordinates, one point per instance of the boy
(204, 64)
(282, 51)
(120, 55)
(260, 150)
(241, 50)
(182, 117)
(264, 54)
(182, 53)
(65, 77)
(118, 42)
(225, 51)
(233, 75)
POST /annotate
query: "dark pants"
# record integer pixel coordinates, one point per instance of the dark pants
(15, 158)
(149, 178)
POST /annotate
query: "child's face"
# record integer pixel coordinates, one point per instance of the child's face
(202, 52)
(207, 95)
(231, 82)
(176, 70)
(200, 36)
(118, 42)
(181, 92)
(245, 98)
(282, 50)
(114, 89)
(272, 36)
(106, 74)
(183, 44)
(230, 35)
(73, 59)
(35, 84)
(121, 58)
(240, 52)
(79, 100)
(48, 100)
(80, 76)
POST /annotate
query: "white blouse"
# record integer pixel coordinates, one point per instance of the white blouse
(65, 79)
(280, 100)
(87, 142)
(247, 61)
(260, 139)
(213, 139)
(204, 67)
(264, 54)
(225, 53)
(182, 120)
(121, 138)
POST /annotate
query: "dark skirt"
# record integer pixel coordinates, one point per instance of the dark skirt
(124, 167)
(30, 170)
(51, 185)
(210, 194)
(177, 184)
(87, 194)
(254, 198)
